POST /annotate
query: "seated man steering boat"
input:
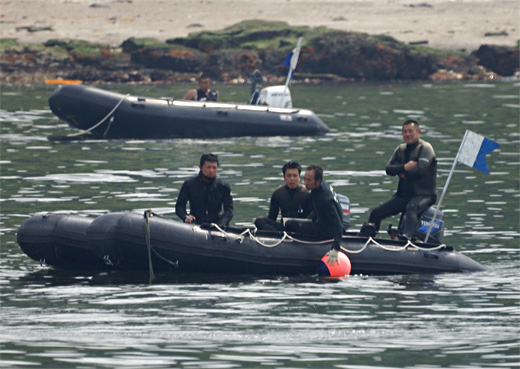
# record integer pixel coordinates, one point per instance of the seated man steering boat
(415, 164)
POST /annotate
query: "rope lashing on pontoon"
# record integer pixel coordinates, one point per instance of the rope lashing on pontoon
(101, 121)
(149, 247)
(293, 239)
(251, 235)
(148, 244)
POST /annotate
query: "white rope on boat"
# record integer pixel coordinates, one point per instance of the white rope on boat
(101, 121)
(308, 242)
(393, 248)
(268, 245)
(369, 242)
(248, 232)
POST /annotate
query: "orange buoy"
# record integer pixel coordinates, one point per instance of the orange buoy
(336, 270)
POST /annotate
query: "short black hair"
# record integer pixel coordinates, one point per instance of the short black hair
(203, 76)
(292, 165)
(318, 172)
(411, 121)
(208, 157)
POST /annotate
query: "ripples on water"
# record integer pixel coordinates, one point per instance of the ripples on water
(288, 322)
(58, 319)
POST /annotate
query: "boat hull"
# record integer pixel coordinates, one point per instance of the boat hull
(83, 107)
(119, 241)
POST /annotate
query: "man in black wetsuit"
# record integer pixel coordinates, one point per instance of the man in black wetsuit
(207, 195)
(203, 93)
(416, 165)
(292, 200)
(326, 212)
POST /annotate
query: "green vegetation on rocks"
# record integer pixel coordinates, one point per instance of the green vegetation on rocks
(8, 43)
(79, 48)
(247, 35)
(234, 52)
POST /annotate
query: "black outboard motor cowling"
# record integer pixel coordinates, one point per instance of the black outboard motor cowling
(344, 202)
(437, 232)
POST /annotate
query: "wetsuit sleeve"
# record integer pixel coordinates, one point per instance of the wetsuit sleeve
(331, 220)
(393, 167)
(274, 207)
(425, 160)
(227, 202)
(337, 227)
(182, 200)
(338, 234)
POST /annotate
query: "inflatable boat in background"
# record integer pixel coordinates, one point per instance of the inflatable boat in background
(106, 114)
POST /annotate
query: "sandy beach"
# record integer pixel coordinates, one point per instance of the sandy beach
(456, 24)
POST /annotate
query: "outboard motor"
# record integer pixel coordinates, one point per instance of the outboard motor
(276, 96)
(436, 234)
(345, 207)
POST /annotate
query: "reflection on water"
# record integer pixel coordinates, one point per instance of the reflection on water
(63, 319)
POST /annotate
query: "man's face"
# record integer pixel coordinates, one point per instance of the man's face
(204, 84)
(411, 133)
(291, 178)
(310, 181)
(209, 169)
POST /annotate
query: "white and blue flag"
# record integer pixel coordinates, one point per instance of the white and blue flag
(292, 60)
(473, 150)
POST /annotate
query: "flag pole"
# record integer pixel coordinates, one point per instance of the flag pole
(432, 222)
(292, 66)
(294, 61)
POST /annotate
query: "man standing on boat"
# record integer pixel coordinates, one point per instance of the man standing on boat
(415, 163)
(326, 215)
(292, 200)
(204, 92)
(207, 196)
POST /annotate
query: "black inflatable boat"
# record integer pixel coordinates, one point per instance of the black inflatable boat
(137, 241)
(111, 115)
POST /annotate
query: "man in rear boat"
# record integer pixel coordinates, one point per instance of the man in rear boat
(207, 195)
(203, 93)
(415, 164)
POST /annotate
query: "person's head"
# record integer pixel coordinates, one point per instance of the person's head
(313, 177)
(209, 165)
(204, 83)
(411, 131)
(291, 174)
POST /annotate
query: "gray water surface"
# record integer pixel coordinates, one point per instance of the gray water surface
(56, 319)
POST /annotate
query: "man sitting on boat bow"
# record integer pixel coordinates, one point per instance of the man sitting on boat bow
(206, 194)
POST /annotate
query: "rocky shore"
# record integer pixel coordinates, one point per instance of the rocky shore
(231, 54)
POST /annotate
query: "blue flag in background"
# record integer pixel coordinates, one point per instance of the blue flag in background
(292, 60)
(287, 61)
